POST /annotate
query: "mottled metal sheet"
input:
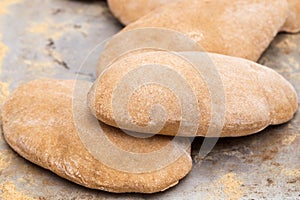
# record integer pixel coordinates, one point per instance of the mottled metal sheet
(51, 38)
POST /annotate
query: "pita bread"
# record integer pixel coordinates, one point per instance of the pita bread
(292, 24)
(128, 11)
(254, 95)
(240, 28)
(40, 125)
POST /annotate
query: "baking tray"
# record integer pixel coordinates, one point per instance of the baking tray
(51, 38)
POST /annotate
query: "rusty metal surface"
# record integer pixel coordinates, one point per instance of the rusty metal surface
(51, 38)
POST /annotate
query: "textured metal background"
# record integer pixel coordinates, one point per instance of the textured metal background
(51, 38)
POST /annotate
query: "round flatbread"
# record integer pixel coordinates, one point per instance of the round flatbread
(48, 123)
(163, 92)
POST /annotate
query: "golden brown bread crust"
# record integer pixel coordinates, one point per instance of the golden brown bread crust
(38, 124)
(292, 24)
(255, 96)
(128, 11)
(241, 28)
